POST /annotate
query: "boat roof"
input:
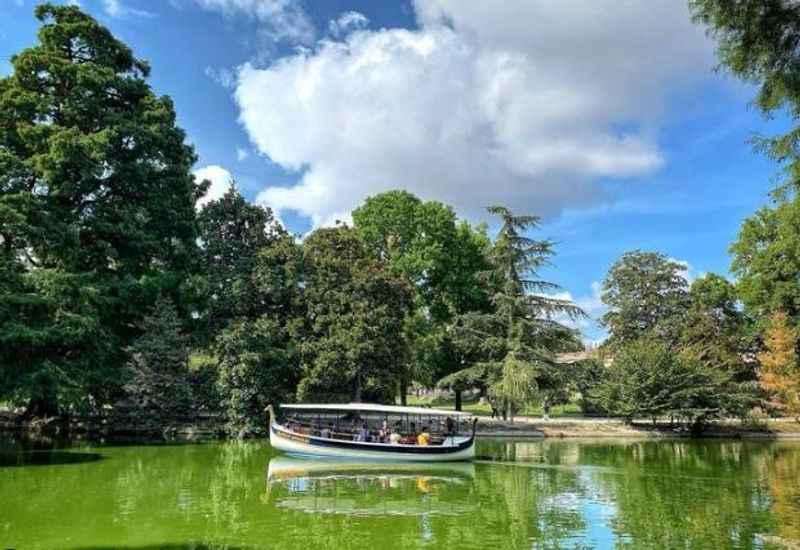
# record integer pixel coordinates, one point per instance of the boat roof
(372, 407)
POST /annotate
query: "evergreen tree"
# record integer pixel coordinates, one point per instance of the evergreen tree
(158, 383)
(96, 211)
(519, 338)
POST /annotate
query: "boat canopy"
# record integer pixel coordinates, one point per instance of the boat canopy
(373, 408)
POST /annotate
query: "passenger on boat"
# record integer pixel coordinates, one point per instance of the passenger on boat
(326, 432)
(363, 434)
(424, 437)
(394, 438)
(383, 432)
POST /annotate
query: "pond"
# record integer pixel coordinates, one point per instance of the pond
(519, 494)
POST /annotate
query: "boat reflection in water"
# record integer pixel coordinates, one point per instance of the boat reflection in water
(370, 488)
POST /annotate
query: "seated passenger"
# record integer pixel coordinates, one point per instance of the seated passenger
(395, 437)
(326, 432)
(363, 434)
(424, 437)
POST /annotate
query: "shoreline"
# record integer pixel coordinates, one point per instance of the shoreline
(606, 428)
(208, 426)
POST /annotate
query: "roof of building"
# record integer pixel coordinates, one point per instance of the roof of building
(372, 407)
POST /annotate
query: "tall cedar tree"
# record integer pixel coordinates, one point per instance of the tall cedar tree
(519, 338)
(780, 372)
(96, 211)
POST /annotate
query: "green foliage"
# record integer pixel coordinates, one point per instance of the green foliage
(758, 42)
(258, 366)
(355, 349)
(158, 381)
(766, 260)
(257, 353)
(647, 295)
(716, 332)
(96, 211)
(233, 233)
(514, 344)
(647, 379)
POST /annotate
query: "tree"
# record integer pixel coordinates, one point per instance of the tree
(232, 233)
(766, 260)
(647, 295)
(258, 366)
(158, 376)
(258, 351)
(716, 331)
(354, 347)
(758, 42)
(422, 243)
(521, 335)
(96, 210)
(647, 379)
(780, 372)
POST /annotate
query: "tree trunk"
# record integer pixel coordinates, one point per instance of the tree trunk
(403, 390)
(458, 400)
(357, 390)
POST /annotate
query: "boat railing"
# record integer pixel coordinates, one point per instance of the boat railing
(314, 429)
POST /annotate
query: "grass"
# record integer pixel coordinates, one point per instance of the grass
(472, 405)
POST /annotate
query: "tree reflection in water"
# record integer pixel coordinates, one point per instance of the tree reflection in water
(521, 494)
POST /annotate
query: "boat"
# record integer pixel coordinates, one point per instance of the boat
(353, 431)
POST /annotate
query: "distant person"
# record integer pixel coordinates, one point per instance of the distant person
(363, 434)
(326, 432)
(383, 432)
(449, 426)
(395, 437)
(424, 438)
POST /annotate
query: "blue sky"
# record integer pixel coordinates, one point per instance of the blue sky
(605, 118)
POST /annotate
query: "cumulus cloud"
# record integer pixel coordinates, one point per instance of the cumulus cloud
(224, 77)
(347, 22)
(528, 105)
(281, 20)
(220, 179)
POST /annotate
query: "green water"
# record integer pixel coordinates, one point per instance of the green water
(520, 494)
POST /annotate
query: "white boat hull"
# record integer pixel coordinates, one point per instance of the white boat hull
(295, 444)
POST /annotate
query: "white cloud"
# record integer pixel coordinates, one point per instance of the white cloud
(241, 154)
(281, 20)
(115, 8)
(527, 105)
(224, 77)
(347, 22)
(220, 179)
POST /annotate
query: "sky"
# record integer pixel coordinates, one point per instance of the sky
(606, 118)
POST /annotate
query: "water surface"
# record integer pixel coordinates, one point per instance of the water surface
(520, 494)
